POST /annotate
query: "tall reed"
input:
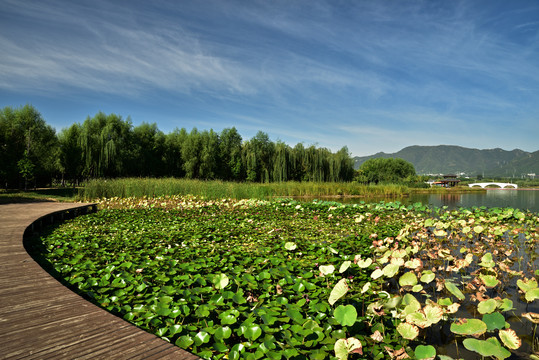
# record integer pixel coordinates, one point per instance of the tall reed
(138, 187)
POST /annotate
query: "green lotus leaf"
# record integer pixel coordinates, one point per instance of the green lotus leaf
(399, 253)
(487, 348)
(364, 263)
(175, 329)
(425, 352)
(526, 285)
(490, 281)
(532, 294)
(343, 347)
(229, 317)
(220, 281)
(290, 246)
(433, 313)
(201, 337)
(478, 229)
(184, 341)
(510, 339)
(408, 331)
(326, 269)
(453, 289)
(494, 321)
(252, 332)
(417, 288)
(506, 305)
(338, 291)
(220, 347)
(427, 276)
(411, 305)
(486, 261)
(417, 318)
(468, 327)
(344, 266)
(345, 315)
(408, 279)
(445, 302)
(487, 306)
(377, 273)
(366, 287)
(222, 332)
(390, 270)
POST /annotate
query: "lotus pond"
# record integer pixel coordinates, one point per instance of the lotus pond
(251, 279)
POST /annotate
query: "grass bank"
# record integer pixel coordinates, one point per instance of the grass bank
(50, 194)
(138, 187)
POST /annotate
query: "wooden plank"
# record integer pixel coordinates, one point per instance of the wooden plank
(42, 319)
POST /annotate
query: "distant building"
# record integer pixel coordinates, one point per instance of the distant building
(448, 181)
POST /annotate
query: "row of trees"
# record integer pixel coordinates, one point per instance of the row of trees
(109, 146)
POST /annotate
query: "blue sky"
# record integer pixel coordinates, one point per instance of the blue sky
(371, 75)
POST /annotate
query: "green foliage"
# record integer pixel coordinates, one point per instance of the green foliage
(282, 279)
(216, 189)
(28, 147)
(381, 170)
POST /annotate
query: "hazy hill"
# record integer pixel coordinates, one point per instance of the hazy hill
(446, 159)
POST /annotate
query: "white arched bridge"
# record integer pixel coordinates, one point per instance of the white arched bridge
(501, 185)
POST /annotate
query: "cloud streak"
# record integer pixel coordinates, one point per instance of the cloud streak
(317, 68)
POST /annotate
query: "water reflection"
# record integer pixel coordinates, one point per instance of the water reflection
(519, 199)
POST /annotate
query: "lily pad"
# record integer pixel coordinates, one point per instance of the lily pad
(425, 352)
(290, 246)
(220, 281)
(427, 276)
(510, 339)
(327, 269)
(526, 285)
(532, 294)
(487, 306)
(490, 281)
(408, 331)
(344, 266)
(494, 321)
(343, 347)
(364, 263)
(489, 347)
(338, 291)
(345, 315)
(486, 261)
(377, 273)
(468, 327)
(390, 270)
(408, 279)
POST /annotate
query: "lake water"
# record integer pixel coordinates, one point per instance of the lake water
(519, 199)
(523, 199)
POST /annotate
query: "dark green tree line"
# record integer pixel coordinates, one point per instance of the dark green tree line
(108, 146)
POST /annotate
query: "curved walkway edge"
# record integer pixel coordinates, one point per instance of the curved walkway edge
(42, 319)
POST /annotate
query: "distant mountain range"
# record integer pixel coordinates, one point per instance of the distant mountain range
(448, 159)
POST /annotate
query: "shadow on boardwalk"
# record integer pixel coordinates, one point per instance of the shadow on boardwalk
(42, 319)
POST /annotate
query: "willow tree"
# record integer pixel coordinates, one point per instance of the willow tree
(380, 170)
(69, 161)
(281, 162)
(105, 141)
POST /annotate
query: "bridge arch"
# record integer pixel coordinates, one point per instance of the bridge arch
(500, 185)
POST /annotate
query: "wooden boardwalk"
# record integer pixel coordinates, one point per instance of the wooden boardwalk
(42, 319)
